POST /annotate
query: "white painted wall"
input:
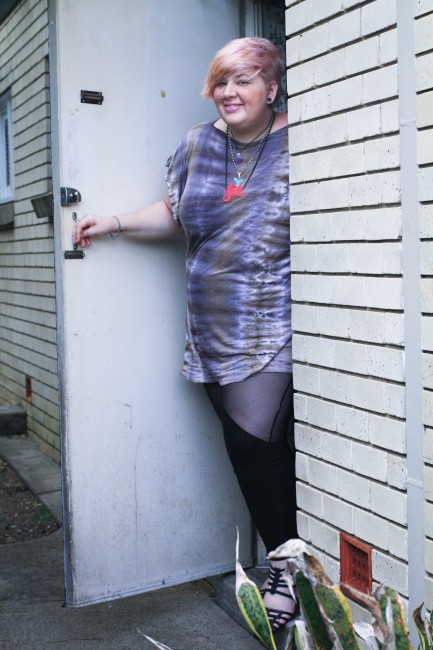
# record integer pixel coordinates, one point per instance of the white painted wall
(423, 31)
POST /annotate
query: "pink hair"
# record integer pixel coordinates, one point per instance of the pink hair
(241, 54)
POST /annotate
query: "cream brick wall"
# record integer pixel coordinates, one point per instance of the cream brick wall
(27, 306)
(423, 33)
(347, 279)
(348, 289)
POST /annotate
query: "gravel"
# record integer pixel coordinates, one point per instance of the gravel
(22, 516)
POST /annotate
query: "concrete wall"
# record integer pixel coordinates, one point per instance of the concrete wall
(348, 280)
(27, 309)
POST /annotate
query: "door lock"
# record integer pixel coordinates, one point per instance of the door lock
(69, 196)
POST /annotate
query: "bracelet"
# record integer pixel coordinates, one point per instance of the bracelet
(114, 235)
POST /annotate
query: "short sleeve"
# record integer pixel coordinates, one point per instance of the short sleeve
(176, 175)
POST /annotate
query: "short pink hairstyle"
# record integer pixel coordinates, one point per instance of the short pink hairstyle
(241, 54)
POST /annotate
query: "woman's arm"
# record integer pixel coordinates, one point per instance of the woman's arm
(155, 221)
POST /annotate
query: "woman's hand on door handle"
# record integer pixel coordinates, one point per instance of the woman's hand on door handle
(92, 226)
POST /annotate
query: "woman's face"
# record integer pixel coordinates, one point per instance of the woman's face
(241, 100)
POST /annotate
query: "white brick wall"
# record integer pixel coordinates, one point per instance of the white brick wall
(324, 537)
(390, 571)
(421, 7)
(27, 309)
(362, 359)
(347, 285)
(371, 528)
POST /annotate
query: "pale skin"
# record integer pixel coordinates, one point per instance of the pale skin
(241, 101)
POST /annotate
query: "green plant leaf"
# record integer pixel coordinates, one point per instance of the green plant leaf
(337, 611)
(301, 637)
(312, 613)
(417, 619)
(251, 605)
(254, 612)
(429, 627)
(399, 626)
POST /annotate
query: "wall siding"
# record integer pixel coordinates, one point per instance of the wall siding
(27, 305)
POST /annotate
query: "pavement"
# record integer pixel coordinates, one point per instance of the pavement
(201, 615)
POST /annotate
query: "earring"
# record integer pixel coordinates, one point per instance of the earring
(269, 100)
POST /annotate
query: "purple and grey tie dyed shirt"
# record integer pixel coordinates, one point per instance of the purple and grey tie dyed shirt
(238, 257)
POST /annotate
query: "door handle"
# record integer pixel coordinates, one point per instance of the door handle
(74, 254)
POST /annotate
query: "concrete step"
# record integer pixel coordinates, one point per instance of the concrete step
(39, 472)
(13, 420)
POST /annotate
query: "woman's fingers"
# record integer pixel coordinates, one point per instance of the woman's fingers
(87, 228)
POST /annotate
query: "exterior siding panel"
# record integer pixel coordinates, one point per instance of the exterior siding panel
(27, 305)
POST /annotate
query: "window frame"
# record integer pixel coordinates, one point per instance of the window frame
(6, 149)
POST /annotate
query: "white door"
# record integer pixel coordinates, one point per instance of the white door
(150, 498)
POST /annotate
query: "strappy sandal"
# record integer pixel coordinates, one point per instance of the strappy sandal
(277, 617)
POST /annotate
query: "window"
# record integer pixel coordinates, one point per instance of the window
(271, 24)
(6, 150)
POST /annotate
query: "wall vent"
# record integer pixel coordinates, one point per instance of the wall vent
(355, 565)
(29, 394)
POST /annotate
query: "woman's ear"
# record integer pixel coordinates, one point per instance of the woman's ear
(272, 91)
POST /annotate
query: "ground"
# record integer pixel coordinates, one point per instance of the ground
(22, 516)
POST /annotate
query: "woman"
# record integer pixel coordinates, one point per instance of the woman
(228, 195)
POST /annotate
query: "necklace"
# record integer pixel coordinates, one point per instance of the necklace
(236, 188)
(240, 149)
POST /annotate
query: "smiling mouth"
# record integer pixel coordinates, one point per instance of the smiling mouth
(232, 107)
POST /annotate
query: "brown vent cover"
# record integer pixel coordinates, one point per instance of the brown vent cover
(355, 565)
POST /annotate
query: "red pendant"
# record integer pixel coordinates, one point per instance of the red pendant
(231, 191)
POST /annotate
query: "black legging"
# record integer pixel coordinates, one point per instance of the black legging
(257, 419)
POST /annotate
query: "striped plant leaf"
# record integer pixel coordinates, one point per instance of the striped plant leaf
(251, 605)
(424, 628)
(397, 622)
(337, 611)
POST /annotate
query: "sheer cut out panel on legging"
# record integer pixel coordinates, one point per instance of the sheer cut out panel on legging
(261, 404)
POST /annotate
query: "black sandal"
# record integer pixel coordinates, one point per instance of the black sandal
(277, 617)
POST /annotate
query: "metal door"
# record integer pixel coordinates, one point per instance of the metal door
(150, 499)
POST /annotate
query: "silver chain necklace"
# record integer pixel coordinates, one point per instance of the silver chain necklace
(239, 180)
(236, 188)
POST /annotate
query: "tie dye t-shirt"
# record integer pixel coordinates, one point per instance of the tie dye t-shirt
(238, 257)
